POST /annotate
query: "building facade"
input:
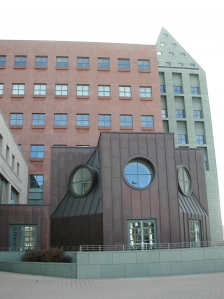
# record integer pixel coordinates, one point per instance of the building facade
(186, 112)
(61, 95)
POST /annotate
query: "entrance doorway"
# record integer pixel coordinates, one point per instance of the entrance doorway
(142, 234)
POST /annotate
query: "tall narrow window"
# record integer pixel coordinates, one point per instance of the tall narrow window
(61, 119)
(36, 189)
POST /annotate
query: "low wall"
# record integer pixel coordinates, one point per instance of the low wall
(122, 264)
(149, 263)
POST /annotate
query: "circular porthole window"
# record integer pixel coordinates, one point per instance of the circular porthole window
(184, 180)
(139, 173)
(83, 179)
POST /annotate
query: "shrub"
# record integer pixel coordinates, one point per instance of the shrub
(52, 255)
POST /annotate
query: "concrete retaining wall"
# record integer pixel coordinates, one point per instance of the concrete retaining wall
(122, 264)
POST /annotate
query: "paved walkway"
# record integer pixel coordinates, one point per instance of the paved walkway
(20, 286)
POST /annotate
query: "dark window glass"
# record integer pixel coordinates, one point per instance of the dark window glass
(103, 63)
(177, 89)
(82, 120)
(38, 119)
(83, 62)
(126, 121)
(180, 113)
(162, 89)
(41, 61)
(147, 121)
(124, 64)
(104, 120)
(62, 61)
(20, 61)
(194, 90)
(16, 119)
(182, 139)
(23, 237)
(143, 64)
(2, 60)
(200, 139)
(37, 151)
(197, 114)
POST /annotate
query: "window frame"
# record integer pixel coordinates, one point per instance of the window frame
(59, 91)
(82, 122)
(181, 138)
(18, 89)
(126, 123)
(17, 121)
(23, 237)
(105, 66)
(103, 122)
(197, 114)
(177, 89)
(145, 92)
(104, 93)
(1, 89)
(83, 62)
(21, 62)
(37, 151)
(62, 64)
(180, 113)
(195, 90)
(43, 61)
(127, 94)
(39, 92)
(81, 93)
(124, 64)
(62, 120)
(147, 121)
(145, 66)
(2, 61)
(38, 122)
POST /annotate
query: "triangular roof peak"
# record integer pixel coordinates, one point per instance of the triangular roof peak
(172, 54)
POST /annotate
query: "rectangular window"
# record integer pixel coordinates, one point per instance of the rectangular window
(162, 89)
(2, 60)
(1, 88)
(14, 198)
(194, 90)
(16, 119)
(125, 91)
(36, 189)
(171, 53)
(83, 90)
(61, 89)
(23, 237)
(41, 61)
(18, 89)
(20, 146)
(197, 114)
(147, 121)
(38, 119)
(182, 54)
(126, 121)
(177, 89)
(168, 63)
(104, 120)
(40, 89)
(1, 143)
(180, 64)
(13, 161)
(103, 63)
(145, 92)
(61, 120)
(200, 139)
(104, 91)
(61, 61)
(182, 139)
(37, 151)
(164, 113)
(3, 190)
(83, 62)
(180, 113)
(82, 120)
(20, 61)
(17, 169)
(143, 65)
(7, 153)
(192, 64)
(195, 233)
(123, 64)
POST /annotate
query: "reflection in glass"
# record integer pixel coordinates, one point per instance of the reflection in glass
(82, 181)
(138, 174)
(184, 180)
(142, 234)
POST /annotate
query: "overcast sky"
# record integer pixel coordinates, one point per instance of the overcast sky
(197, 25)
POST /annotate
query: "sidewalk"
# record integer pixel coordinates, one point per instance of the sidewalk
(20, 286)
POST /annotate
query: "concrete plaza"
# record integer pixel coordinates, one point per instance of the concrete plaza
(20, 286)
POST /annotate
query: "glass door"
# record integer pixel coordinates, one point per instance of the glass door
(195, 233)
(142, 234)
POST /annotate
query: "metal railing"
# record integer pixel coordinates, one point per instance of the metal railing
(126, 247)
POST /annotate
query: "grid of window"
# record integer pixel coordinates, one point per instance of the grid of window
(104, 91)
(194, 90)
(162, 89)
(16, 119)
(125, 91)
(82, 120)
(40, 89)
(126, 121)
(200, 139)
(2, 60)
(62, 61)
(164, 113)
(182, 139)
(1, 88)
(38, 119)
(180, 113)
(61, 89)
(145, 92)
(37, 151)
(23, 237)
(83, 90)
(41, 61)
(20, 61)
(143, 65)
(103, 63)
(124, 64)
(18, 89)
(83, 62)
(104, 120)
(197, 114)
(147, 121)
(61, 120)
(177, 89)
(37, 181)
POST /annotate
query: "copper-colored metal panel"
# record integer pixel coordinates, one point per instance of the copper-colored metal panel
(126, 196)
(124, 140)
(107, 221)
(175, 230)
(106, 157)
(165, 236)
(165, 219)
(152, 149)
(161, 155)
(178, 156)
(107, 199)
(169, 145)
(115, 145)
(133, 144)
(174, 207)
(116, 168)
(162, 176)
(184, 157)
(118, 229)
(117, 209)
(124, 156)
(136, 207)
(164, 198)
(145, 202)
(28, 215)
(116, 187)
(171, 167)
(142, 144)
(105, 140)
(106, 177)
